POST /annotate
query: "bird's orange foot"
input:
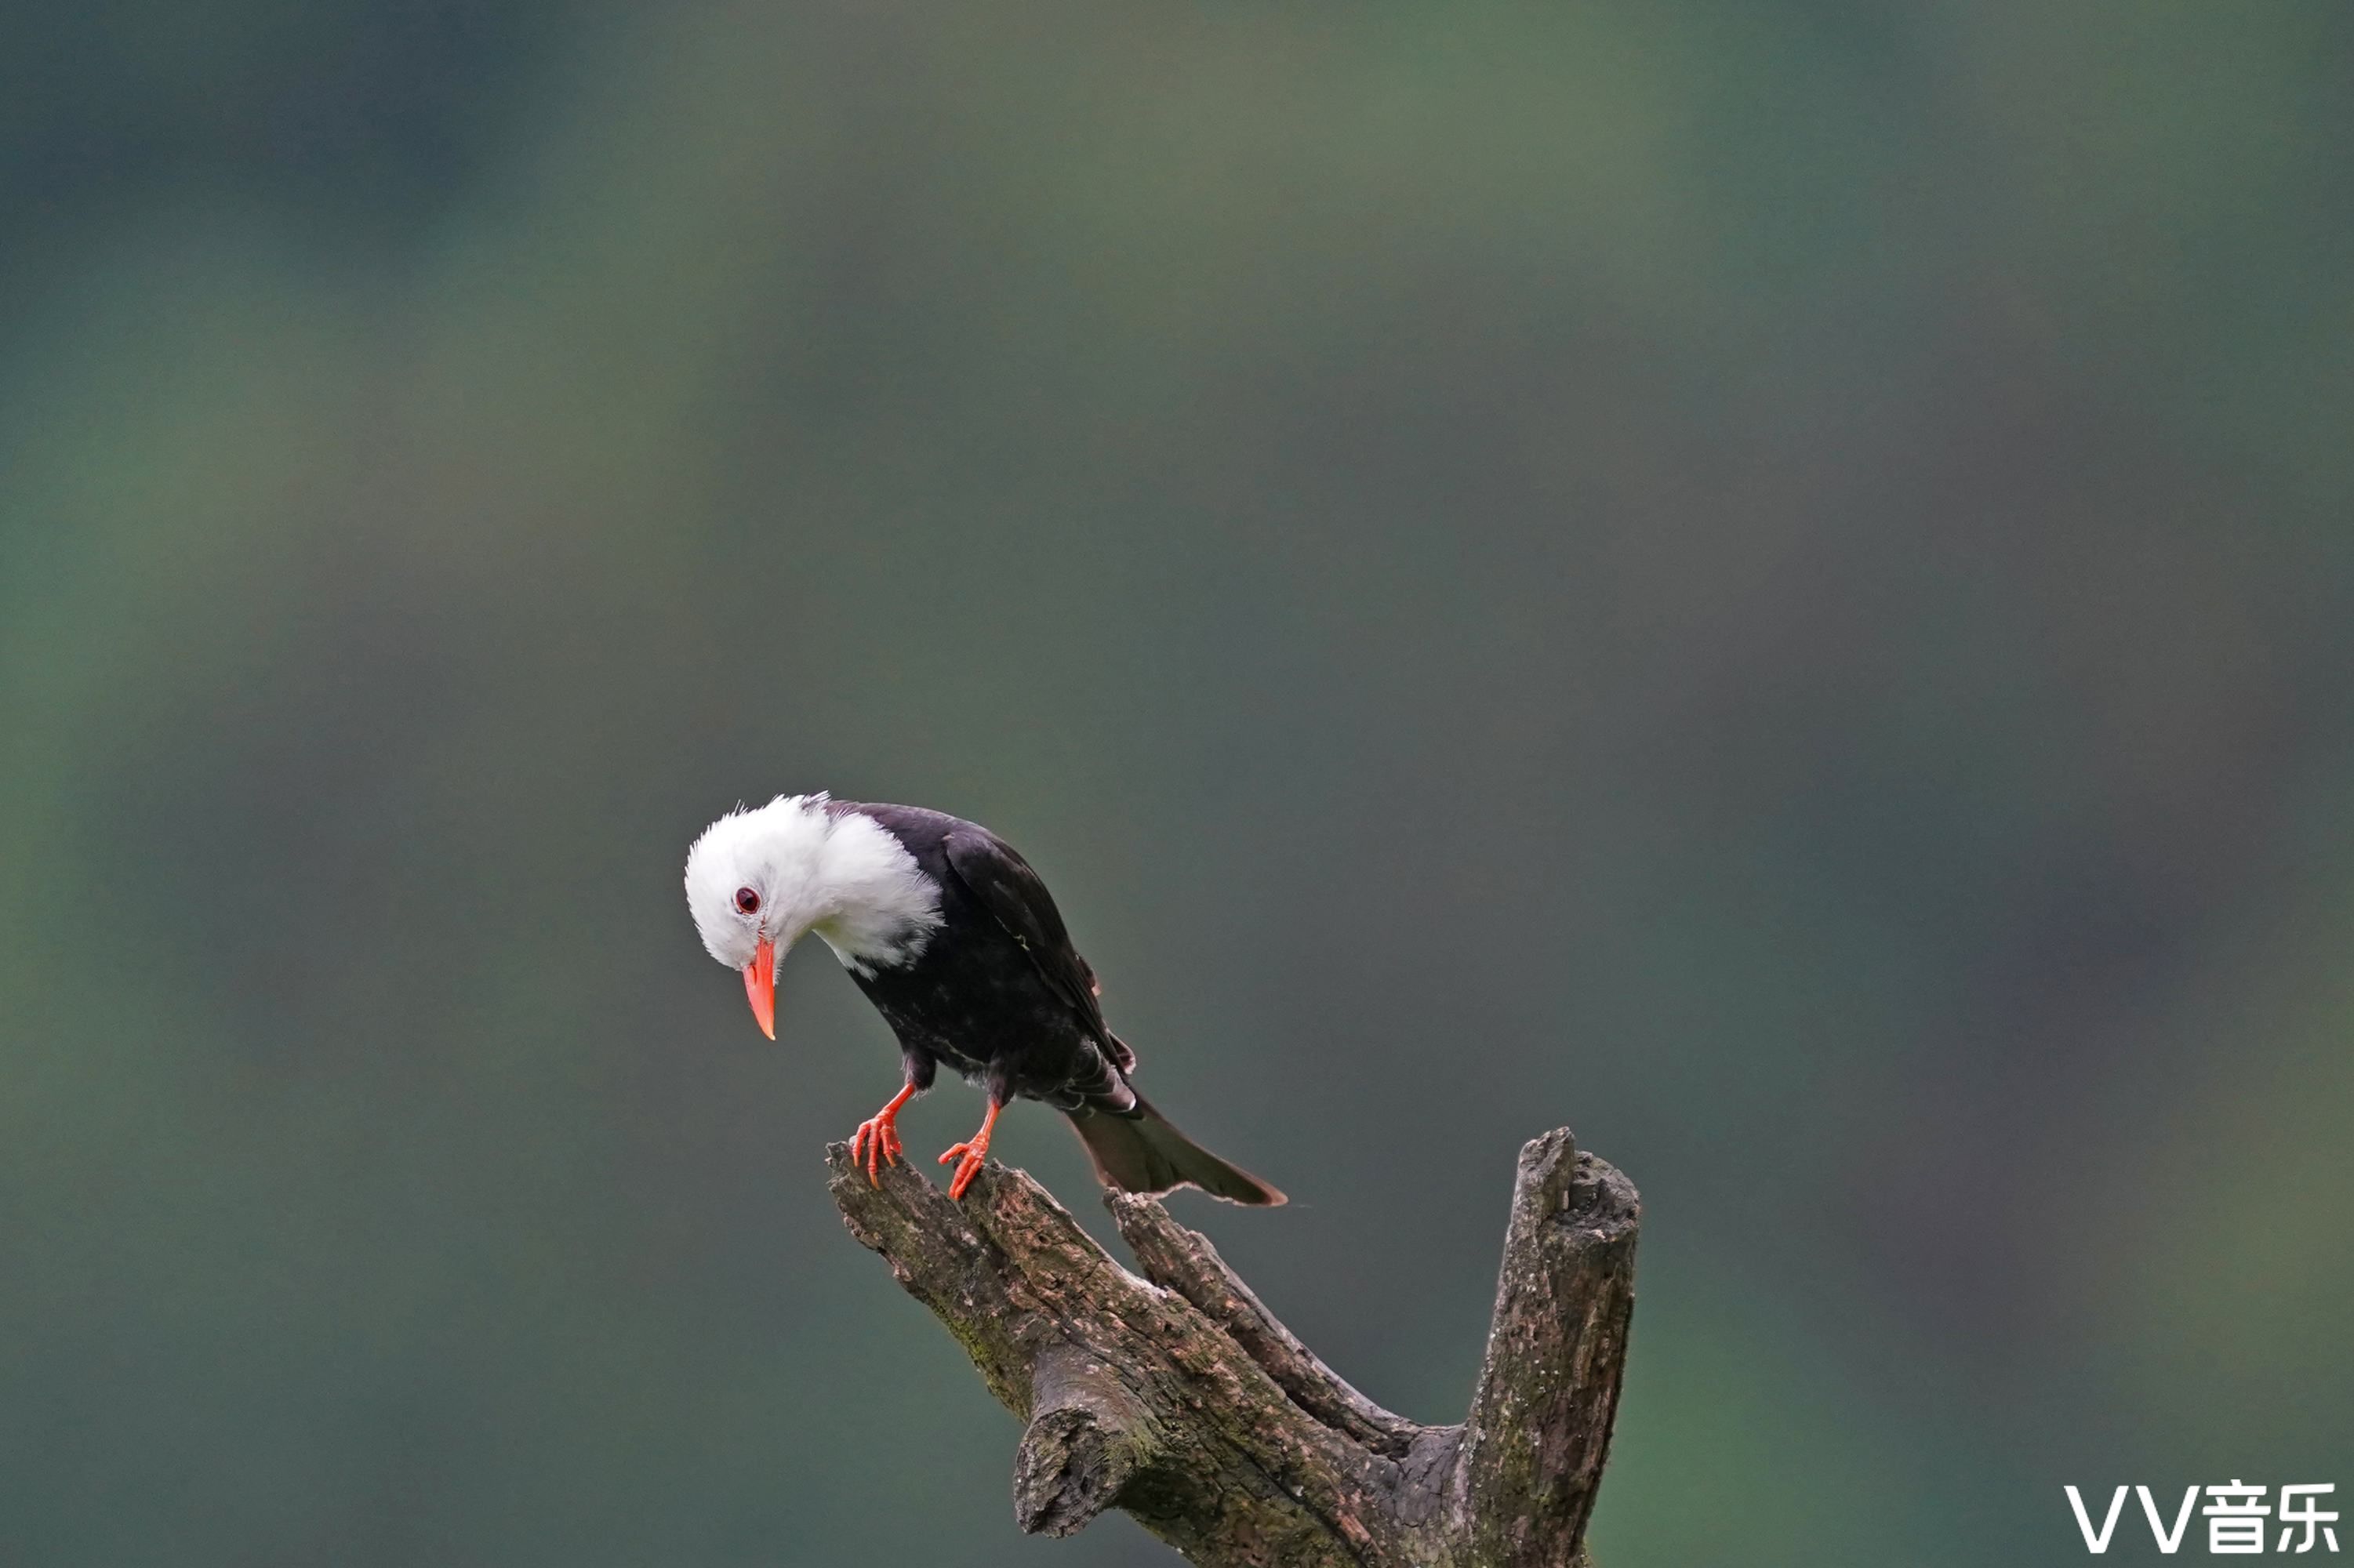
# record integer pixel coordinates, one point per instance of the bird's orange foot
(969, 1159)
(876, 1144)
(970, 1156)
(877, 1138)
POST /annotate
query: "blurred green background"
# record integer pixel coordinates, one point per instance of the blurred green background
(1771, 583)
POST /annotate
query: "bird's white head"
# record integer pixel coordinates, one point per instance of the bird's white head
(757, 881)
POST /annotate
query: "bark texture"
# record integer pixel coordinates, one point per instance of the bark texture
(1178, 1397)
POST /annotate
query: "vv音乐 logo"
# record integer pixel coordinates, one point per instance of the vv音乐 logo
(2238, 1519)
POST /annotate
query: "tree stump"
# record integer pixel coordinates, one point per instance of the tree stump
(1179, 1398)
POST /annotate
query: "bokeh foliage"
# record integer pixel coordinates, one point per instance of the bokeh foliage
(1771, 583)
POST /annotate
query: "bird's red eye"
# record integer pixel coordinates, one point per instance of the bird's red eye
(748, 901)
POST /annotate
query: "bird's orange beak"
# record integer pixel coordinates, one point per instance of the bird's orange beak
(760, 985)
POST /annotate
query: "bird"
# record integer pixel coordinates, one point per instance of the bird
(956, 940)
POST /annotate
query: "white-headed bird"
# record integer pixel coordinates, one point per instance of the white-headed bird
(957, 944)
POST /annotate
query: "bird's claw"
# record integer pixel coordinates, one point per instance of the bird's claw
(877, 1142)
(971, 1154)
(969, 1159)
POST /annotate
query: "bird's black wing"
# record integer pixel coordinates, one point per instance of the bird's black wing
(1001, 882)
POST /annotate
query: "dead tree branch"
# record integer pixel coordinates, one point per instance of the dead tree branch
(1179, 1397)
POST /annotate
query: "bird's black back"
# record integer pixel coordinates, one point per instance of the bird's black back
(998, 993)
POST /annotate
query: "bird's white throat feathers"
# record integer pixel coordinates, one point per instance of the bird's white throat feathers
(810, 868)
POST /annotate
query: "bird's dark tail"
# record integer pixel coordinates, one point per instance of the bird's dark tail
(1140, 1152)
